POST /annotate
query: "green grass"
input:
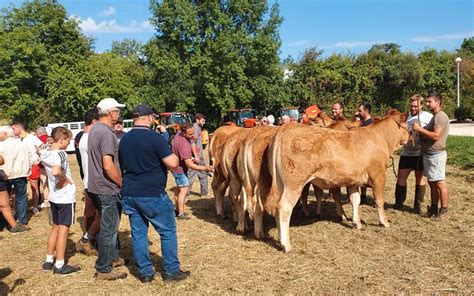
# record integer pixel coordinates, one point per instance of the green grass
(461, 151)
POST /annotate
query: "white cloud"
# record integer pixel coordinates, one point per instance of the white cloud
(453, 36)
(298, 43)
(89, 25)
(352, 44)
(108, 11)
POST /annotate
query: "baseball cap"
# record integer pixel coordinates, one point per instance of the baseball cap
(142, 110)
(109, 103)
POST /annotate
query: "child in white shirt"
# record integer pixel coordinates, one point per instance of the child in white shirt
(62, 198)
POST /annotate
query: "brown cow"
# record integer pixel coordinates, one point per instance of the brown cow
(340, 124)
(219, 182)
(330, 159)
(252, 167)
(229, 172)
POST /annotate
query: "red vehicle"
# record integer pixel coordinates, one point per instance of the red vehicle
(240, 117)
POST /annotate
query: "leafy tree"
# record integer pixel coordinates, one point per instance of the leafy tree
(128, 48)
(214, 55)
(34, 38)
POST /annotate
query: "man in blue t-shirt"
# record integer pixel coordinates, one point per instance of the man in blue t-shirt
(145, 157)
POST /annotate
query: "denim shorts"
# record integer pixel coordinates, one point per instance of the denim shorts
(435, 166)
(181, 179)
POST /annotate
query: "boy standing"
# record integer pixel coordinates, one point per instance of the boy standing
(62, 198)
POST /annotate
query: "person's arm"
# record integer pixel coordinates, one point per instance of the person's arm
(171, 161)
(190, 164)
(111, 170)
(194, 149)
(435, 135)
(61, 179)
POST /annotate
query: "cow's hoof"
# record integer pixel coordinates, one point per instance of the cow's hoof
(386, 224)
(240, 231)
(318, 216)
(221, 218)
(260, 236)
(286, 249)
(357, 226)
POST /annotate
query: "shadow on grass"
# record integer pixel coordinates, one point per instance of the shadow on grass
(204, 209)
(4, 288)
(126, 252)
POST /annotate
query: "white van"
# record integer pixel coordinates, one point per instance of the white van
(77, 126)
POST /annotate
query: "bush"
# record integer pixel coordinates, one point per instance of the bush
(462, 113)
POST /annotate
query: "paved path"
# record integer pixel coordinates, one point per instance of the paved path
(461, 129)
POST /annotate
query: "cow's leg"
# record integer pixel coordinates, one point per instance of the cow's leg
(355, 200)
(378, 190)
(319, 193)
(258, 222)
(284, 216)
(239, 199)
(304, 200)
(336, 193)
(218, 187)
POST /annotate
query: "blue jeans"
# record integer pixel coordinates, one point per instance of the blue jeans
(159, 211)
(19, 187)
(108, 239)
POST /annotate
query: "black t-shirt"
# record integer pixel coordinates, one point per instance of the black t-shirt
(77, 139)
(141, 154)
(367, 122)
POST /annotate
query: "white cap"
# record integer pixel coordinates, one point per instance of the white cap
(109, 103)
(271, 119)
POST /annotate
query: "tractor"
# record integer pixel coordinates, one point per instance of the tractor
(171, 120)
(240, 117)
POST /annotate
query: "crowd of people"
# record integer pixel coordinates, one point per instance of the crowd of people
(127, 172)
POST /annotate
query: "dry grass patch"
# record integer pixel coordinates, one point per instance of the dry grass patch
(413, 256)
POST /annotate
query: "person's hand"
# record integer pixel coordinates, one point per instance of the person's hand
(210, 168)
(161, 128)
(62, 182)
(416, 126)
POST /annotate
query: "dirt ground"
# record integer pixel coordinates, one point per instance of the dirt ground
(414, 256)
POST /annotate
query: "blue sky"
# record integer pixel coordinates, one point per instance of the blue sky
(332, 25)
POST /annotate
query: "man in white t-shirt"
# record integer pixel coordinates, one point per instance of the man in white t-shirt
(411, 159)
(91, 207)
(34, 143)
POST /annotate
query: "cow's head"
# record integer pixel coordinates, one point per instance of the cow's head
(401, 120)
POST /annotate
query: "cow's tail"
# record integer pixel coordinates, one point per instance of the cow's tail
(210, 151)
(274, 165)
(248, 170)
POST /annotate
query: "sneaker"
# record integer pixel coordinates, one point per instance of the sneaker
(85, 246)
(110, 276)
(48, 266)
(66, 269)
(180, 275)
(19, 228)
(183, 216)
(36, 212)
(118, 262)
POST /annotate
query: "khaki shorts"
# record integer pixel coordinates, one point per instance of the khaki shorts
(435, 166)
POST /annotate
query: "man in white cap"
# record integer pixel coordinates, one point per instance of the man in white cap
(105, 181)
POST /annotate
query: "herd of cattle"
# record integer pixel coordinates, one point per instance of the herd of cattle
(266, 169)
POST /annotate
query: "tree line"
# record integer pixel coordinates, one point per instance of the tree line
(208, 57)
